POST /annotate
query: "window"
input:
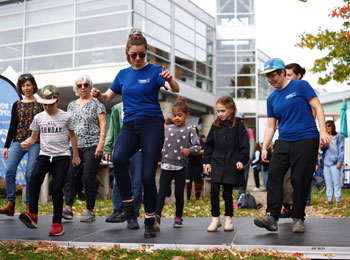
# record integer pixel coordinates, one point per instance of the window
(101, 40)
(11, 52)
(184, 31)
(48, 47)
(245, 6)
(184, 60)
(11, 36)
(158, 16)
(49, 31)
(107, 22)
(226, 6)
(246, 68)
(182, 15)
(15, 64)
(50, 15)
(225, 57)
(48, 63)
(184, 75)
(184, 46)
(95, 7)
(246, 81)
(11, 21)
(100, 57)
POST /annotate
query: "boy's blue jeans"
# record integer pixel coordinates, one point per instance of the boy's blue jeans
(15, 155)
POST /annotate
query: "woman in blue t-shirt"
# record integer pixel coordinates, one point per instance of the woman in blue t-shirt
(291, 105)
(143, 124)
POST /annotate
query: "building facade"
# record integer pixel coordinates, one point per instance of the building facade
(239, 61)
(58, 40)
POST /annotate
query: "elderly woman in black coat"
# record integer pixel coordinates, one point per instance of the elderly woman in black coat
(225, 153)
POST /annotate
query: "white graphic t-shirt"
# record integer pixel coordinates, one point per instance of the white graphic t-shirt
(54, 137)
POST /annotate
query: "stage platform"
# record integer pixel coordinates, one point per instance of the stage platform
(325, 238)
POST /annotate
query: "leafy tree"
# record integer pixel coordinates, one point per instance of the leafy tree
(335, 65)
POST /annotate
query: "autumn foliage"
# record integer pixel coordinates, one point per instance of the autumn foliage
(335, 65)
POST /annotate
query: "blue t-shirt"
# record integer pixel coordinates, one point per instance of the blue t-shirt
(290, 106)
(139, 89)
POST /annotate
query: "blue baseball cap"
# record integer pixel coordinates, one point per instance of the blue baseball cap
(272, 65)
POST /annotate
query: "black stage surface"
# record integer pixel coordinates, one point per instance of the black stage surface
(325, 238)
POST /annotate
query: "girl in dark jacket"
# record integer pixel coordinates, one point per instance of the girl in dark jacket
(226, 151)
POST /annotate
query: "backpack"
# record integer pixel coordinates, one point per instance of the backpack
(246, 201)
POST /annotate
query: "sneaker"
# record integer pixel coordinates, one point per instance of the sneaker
(298, 225)
(56, 230)
(133, 223)
(256, 189)
(89, 217)
(330, 202)
(29, 219)
(157, 223)
(286, 213)
(114, 217)
(178, 223)
(267, 221)
(67, 214)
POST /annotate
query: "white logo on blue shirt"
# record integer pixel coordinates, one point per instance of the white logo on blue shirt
(291, 95)
(144, 81)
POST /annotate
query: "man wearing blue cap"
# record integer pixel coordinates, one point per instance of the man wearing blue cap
(297, 145)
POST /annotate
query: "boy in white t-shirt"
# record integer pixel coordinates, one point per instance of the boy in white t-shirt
(55, 127)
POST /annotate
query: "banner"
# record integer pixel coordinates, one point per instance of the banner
(7, 97)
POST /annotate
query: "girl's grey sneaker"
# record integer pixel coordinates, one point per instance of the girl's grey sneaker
(267, 221)
(67, 214)
(89, 217)
(298, 225)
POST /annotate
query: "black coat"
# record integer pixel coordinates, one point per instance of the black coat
(223, 149)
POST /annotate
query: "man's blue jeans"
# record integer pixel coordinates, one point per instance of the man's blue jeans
(15, 155)
(146, 134)
(135, 167)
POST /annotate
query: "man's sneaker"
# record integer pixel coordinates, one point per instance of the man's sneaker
(157, 223)
(286, 213)
(29, 219)
(133, 223)
(267, 221)
(114, 217)
(298, 225)
(256, 189)
(67, 214)
(178, 223)
(56, 230)
(89, 217)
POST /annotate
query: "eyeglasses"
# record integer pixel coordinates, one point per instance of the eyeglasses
(134, 55)
(271, 75)
(86, 85)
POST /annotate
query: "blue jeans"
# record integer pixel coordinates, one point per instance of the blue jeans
(332, 178)
(15, 155)
(146, 134)
(265, 176)
(135, 166)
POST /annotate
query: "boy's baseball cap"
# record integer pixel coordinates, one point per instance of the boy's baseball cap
(48, 95)
(272, 65)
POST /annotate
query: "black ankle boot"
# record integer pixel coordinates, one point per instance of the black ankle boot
(149, 228)
(127, 214)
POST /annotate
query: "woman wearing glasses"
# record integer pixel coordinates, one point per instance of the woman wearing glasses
(291, 105)
(143, 124)
(23, 112)
(89, 118)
